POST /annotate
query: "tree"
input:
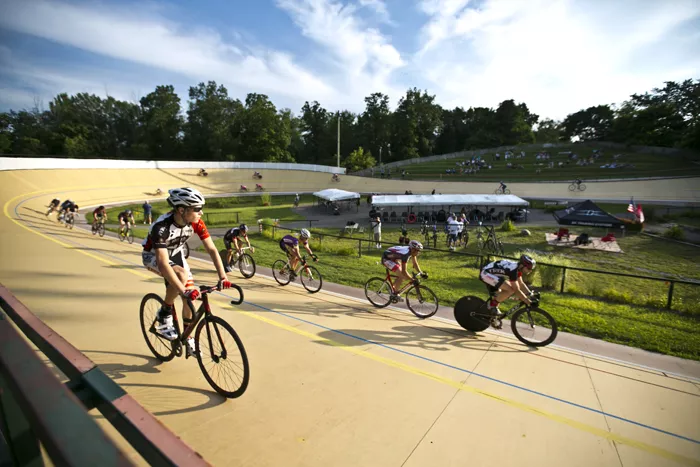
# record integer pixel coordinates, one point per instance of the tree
(455, 132)
(264, 134)
(548, 131)
(315, 127)
(417, 123)
(359, 159)
(162, 123)
(593, 124)
(514, 123)
(374, 124)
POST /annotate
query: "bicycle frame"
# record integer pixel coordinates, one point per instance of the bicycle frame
(302, 264)
(404, 288)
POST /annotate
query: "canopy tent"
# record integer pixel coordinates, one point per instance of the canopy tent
(586, 213)
(332, 194)
(448, 200)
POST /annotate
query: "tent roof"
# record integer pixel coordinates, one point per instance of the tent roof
(333, 194)
(586, 213)
(448, 200)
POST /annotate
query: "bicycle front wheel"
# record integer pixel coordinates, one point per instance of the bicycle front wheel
(226, 368)
(378, 292)
(422, 301)
(130, 236)
(582, 187)
(280, 272)
(572, 187)
(246, 264)
(534, 327)
(101, 230)
(161, 347)
(311, 279)
(186, 250)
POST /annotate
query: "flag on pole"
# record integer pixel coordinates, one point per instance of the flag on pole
(640, 214)
(630, 207)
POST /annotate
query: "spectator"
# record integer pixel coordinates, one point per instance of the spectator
(147, 215)
(376, 225)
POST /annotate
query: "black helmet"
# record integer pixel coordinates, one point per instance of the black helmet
(243, 228)
(527, 262)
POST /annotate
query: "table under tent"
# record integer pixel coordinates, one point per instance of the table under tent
(333, 200)
(437, 208)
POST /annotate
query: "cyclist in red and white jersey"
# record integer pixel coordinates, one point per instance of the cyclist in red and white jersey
(396, 258)
(162, 254)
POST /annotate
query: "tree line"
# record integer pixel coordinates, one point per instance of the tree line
(218, 127)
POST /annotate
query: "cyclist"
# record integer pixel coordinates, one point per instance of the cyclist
(290, 245)
(392, 256)
(578, 182)
(126, 221)
(71, 212)
(232, 237)
(98, 215)
(162, 254)
(502, 187)
(503, 278)
(53, 206)
(64, 209)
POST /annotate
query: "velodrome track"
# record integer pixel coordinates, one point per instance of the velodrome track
(333, 380)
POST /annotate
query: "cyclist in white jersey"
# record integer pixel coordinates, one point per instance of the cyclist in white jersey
(396, 257)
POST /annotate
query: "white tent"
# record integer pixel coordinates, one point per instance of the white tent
(332, 194)
(448, 200)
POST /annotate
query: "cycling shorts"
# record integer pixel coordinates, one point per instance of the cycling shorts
(492, 281)
(391, 265)
(178, 259)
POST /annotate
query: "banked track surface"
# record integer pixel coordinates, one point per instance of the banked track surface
(333, 381)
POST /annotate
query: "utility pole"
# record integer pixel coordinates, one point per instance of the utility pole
(339, 138)
(380, 155)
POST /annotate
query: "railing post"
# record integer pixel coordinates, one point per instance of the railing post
(563, 280)
(359, 248)
(21, 440)
(670, 295)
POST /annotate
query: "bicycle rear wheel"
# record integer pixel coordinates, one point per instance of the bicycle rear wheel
(280, 272)
(378, 292)
(161, 347)
(186, 250)
(130, 236)
(246, 264)
(311, 279)
(572, 187)
(227, 369)
(422, 301)
(101, 229)
(534, 327)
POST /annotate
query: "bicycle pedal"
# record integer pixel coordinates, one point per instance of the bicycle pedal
(496, 323)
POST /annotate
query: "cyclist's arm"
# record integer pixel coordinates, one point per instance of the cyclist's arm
(237, 244)
(523, 286)
(307, 248)
(519, 292)
(415, 265)
(404, 270)
(216, 259)
(247, 240)
(166, 270)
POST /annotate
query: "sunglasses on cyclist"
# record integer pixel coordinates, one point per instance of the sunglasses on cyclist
(197, 209)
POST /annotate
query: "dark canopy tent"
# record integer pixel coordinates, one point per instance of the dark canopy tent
(587, 213)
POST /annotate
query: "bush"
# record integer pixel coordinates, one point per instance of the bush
(549, 276)
(616, 296)
(675, 232)
(507, 226)
(266, 199)
(221, 203)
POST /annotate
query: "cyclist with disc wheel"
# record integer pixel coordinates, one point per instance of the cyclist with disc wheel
(97, 216)
(231, 238)
(290, 245)
(162, 254)
(396, 257)
(503, 278)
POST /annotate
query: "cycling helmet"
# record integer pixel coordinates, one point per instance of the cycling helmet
(415, 245)
(101, 208)
(185, 197)
(128, 211)
(243, 228)
(527, 262)
(305, 233)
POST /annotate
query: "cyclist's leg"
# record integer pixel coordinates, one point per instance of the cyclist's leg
(394, 267)
(185, 275)
(229, 252)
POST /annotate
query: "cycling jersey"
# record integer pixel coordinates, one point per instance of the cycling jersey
(234, 233)
(55, 202)
(503, 268)
(165, 233)
(124, 215)
(99, 212)
(66, 204)
(397, 252)
(288, 242)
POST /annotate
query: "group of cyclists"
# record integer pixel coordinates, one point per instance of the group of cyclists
(163, 255)
(66, 210)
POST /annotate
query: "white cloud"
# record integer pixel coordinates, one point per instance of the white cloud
(379, 8)
(363, 59)
(128, 34)
(555, 55)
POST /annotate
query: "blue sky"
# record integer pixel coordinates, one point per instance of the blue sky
(558, 56)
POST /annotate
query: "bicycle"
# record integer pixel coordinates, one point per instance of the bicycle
(214, 326)
(501, 191)
(473, 315)
(128, 235)
(577, 187)
(246, 263)
(69, 220)
(381, 292)
(99, 228)
(308, 274)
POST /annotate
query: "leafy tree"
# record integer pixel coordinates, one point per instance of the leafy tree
(594, 123)
(162, 123)
(359, 159)
(264, 133)
(548, 131)
(374, 124)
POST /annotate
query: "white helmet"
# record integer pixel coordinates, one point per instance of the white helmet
(305, 233)
(186, 197)
(416, 245)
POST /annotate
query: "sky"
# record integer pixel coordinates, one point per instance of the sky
(557, 56)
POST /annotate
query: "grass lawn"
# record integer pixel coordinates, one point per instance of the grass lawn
(453, 276)
(645, 165)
